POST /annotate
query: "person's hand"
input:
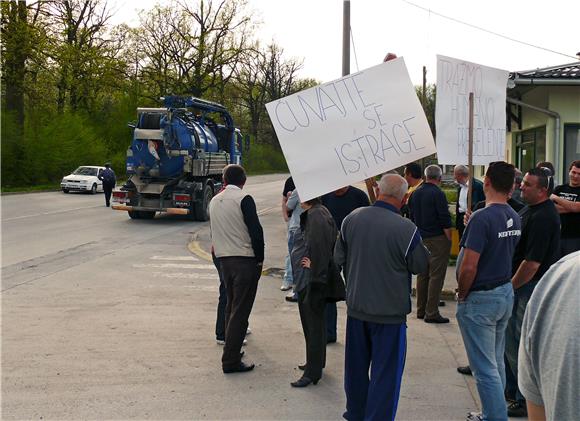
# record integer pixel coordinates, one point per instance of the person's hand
(305, 262)
(289, 194)
(467, 216)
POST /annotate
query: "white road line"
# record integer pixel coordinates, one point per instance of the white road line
(173, 266)
(189, 275)
(176, 258)
(265, 211)
(52, 213)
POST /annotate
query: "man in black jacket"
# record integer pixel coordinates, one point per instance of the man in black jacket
(107, 176)
(461, 176)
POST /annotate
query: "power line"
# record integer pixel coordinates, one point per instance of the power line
(486, 30)
(354, 49)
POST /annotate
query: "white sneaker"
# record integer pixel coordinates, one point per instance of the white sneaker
(285, 287)
(248, 331)
(220, 342)
(474, 416)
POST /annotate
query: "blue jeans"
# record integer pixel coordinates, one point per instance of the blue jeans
(512, 339)
(288, 279)
(483, 318)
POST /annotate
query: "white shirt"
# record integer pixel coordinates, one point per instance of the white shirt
(464, 188)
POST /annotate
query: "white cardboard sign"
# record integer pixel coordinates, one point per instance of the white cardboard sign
(455, 80)
(353, 128)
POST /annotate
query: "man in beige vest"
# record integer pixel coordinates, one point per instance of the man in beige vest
(238, 242)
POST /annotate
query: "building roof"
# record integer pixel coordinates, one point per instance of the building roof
(565, 74)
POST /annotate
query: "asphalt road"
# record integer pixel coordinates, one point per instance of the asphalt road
(104, 317)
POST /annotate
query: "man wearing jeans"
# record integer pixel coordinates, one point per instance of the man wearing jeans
(430, 212)
(485, 293)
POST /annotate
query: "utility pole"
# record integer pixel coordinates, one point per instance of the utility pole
(345, 37)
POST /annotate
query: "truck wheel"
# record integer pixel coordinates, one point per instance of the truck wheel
(94, 188)
(134, 214)
(202, 207)
(65, 190)
(147, 214)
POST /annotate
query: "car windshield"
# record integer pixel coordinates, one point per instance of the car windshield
(85, 171)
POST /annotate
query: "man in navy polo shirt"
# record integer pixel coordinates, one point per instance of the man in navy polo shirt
(485, 292)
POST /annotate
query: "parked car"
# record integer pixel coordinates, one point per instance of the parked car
(85, 178)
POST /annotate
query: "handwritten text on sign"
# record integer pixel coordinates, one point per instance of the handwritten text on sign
(356, 127)
(455, 80)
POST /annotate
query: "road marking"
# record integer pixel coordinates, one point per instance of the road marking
(196, 249)
(51, 213)
(172, 266)
(176, 258)
(188, 275)
(266, 210)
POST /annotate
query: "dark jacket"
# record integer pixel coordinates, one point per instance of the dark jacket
(477, 195)
(316, 239)
(429, 210)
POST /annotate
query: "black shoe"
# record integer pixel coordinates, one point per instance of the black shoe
(441, 303)
(465, 370)
(302, 367)
(303, 382)
(437, 319)
(517, 410)
(331, 341)
(291, 299)
(242, 368)
(420, 316)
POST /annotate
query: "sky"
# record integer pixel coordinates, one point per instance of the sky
(312, 30)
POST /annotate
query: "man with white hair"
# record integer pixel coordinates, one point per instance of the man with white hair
(378, 298)
(461, 176)
(430, 211)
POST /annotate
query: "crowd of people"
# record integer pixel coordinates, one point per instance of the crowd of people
(513, 228)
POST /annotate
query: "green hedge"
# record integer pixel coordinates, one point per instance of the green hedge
(264, 159)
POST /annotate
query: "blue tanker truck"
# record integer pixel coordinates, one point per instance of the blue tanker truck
(176, 158)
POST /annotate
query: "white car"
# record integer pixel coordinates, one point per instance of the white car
(84, 178)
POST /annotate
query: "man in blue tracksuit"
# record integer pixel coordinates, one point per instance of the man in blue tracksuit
(107, 176)
(378, 298)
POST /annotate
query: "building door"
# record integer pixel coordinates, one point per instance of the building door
(530, 148)
(571, 147)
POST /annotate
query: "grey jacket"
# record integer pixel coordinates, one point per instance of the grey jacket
(378, 250)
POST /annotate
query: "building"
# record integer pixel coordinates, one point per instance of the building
(543, 117)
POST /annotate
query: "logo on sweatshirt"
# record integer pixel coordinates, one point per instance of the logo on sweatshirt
(510, 223)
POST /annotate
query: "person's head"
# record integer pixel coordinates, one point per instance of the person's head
(499, 177)
(412, 173)
(433, 174)
(461, 174)
(309, 203)
(392, 189)
(519, 177)
(537, 185)
(389, 57)
(107, 165)
(342, 191)
(574, 174)
(234, 174)
(548, 165)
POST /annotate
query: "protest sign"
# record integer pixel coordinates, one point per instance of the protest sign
(456, 79)
(353, 128)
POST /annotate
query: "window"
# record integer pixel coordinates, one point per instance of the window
(530, 147)
(571, 147)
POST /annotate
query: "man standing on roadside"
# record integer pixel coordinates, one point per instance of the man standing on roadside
(379, 250)
(238, 242)
(340, 203)
(461, 176)
(567, 200)
(485, 297)
(429, 210)
(537, 250)
(107, 176)
(412, 175)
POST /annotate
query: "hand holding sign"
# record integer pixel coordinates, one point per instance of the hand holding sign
(348, 130)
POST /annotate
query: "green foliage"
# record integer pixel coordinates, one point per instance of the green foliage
(263, 159)
(451, 195)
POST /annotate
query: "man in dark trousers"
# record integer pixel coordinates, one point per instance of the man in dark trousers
(538, 249)
(485, 296)
(238, 243)
(461, 176)
(567, 200)
(107, 176)
(379, 250)
(429, 210)
(340, 203)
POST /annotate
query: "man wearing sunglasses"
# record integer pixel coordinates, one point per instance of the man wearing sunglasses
(537, 250)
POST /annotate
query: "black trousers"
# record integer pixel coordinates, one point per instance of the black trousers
(240, 275)
(459, 223)
(220, 322)
(311, 304)
(108, 189)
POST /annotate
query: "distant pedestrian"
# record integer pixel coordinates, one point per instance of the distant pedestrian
(517, 193)
(289, 186)
(461, 176)
(430, 211)
(485, 297)
(340, 203)
(537, 250)
(107, 176)
(567, 200)
(549, 353)
(413, 175)
(316, 273)
(379, 250)
(238, 242)
(295, 210)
